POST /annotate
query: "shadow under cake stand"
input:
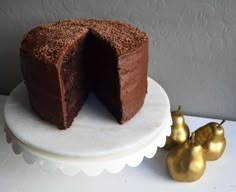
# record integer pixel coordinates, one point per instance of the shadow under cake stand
(95, 141)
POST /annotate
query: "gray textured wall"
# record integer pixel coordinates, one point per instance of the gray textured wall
(192, 44)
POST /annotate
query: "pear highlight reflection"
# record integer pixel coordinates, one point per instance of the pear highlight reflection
(179, 130)
(211, 137)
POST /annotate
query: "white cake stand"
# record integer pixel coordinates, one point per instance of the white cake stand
(95, 141)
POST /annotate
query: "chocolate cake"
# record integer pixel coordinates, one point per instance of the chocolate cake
(63, 62)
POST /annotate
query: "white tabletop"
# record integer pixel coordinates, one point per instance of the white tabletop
(151, 175)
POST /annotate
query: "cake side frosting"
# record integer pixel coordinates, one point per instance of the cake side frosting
(133, 81)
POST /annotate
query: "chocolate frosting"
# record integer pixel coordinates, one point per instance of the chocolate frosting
(48, 42)
(63, 62)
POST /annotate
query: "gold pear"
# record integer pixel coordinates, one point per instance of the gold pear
(186, 162)
(211, 137)
(179, 130)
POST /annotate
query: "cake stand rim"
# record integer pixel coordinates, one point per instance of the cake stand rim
(42, 150)
(90, 166)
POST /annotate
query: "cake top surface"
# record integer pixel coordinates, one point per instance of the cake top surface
(48, 42)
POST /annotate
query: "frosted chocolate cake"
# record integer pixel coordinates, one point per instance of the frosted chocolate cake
(63, 62)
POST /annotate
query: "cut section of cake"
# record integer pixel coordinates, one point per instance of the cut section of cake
(63, 62)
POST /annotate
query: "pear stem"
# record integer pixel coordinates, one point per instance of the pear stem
(221, 123)
(193, 138)
(179, 109)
